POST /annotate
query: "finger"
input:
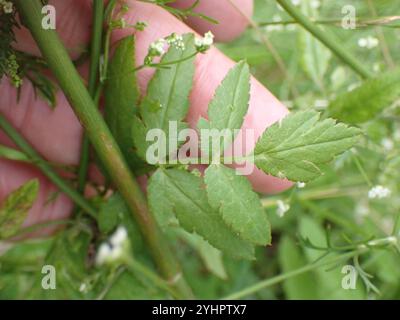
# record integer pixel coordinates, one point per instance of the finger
(50, 205)
(231, 23)
(73, 25)
(211, 68)
(55, 133)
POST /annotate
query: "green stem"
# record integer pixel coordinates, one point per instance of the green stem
(282, 277)
(317, 194)
(95, 50)
(361, 22)
(109, 13)
(103, 142)
(362, 171)
(326, 38)
(45, 167)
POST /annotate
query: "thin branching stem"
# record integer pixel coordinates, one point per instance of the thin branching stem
(328, 39)
(95, 50)
(284, 276)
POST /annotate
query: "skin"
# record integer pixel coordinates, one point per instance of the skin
(57, 134)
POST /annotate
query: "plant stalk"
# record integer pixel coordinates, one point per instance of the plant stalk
(95, 51)
(102, 140)
(326, 38)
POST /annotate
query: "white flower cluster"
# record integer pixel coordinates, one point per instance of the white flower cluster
(300, 185)
(379, 192)
(157, 48)
(369, 42)
(203, 44)
(282, 208)
(115, 249)
(7, 6)
(176, 41)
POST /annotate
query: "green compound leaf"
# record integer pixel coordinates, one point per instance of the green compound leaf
(368, 100)
(296, 146)
(183, 194)
(167, 94)
(231, 101)
(121, 98)
(15, 208)
(238, 204)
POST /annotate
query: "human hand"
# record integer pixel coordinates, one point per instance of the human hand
(57, 134)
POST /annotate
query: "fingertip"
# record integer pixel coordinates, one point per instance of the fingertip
(230, 14)
(266, 184)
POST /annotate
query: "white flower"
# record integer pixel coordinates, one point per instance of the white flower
(369, 42)
(379, 192)
(202, 45)
(296, 2)
(7, 7)
(372, 42)
(208, 39)
(119, 237)
(282, 208)
(157, 48)
(362, 42)
(301, 185)
(115, 249)
(176, 41)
